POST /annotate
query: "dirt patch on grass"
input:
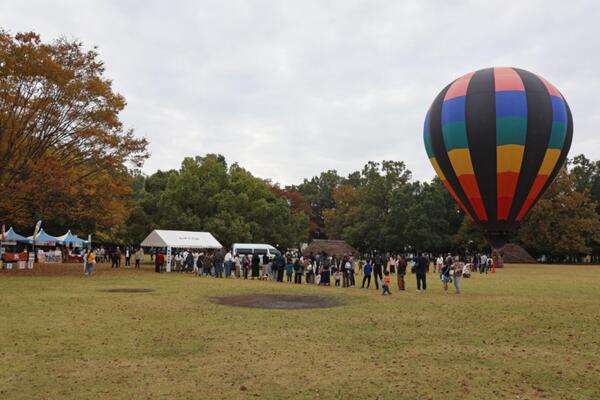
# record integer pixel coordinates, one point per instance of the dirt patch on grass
(277, 301)
(128, 290)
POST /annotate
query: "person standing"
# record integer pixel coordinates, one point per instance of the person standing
(200, 264)
(325, 271)
(90, 260)
(279, 266)
(458, 273)
(159, 260)
(439, 262)
(127, 256)
(237, 265)
(219, 264)
(118, 257)
(209, 261)
(299, 271)
(445, 276)
(344, 268)
(245, 265)
(228, 264)
(392, 264)
(422, 263)
(255, 266)
(377, 270)
(139, 254)
(113, 258)
(367, 274)
(350, 272)
(189, 262)
(289, 270)
(401, 268)
(483, 263)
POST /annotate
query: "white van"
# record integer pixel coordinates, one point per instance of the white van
(255, 248)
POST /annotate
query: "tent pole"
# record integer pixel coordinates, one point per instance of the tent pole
(168, 258)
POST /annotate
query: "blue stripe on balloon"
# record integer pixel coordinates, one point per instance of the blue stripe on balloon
(559, 110)
(511, 103)
(453, 110)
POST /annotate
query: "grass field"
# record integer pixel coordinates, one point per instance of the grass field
(526, 332)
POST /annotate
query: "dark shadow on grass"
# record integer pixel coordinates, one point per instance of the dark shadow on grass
(128, 290)
(277, 301)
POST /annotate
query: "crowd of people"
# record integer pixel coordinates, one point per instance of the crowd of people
(318, 269)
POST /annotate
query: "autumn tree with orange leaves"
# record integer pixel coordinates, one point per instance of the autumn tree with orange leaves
(64, 153)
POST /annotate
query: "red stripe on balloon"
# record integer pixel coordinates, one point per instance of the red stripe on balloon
(506, 183)
(507, 79)
(536, 188)
(460, 203)
(552, 90)
(471, 189)
(479, 208)
(459, 87)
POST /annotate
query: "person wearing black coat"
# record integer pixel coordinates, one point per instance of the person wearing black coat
(422, 263)
(255, 265)
(279, 266)
(377, 270)
(189, 262)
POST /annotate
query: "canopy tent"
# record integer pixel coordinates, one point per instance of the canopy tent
(11, 237)
(180, 239)
(68, 239)
(43, 239)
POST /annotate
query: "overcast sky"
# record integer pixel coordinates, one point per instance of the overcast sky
(292, 88)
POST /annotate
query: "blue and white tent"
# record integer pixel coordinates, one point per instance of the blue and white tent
(43, 239)
(69, 239)
(11, 237)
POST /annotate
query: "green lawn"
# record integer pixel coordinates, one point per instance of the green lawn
(522, 333)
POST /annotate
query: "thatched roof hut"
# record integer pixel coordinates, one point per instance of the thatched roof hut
(329, 247)
(514, 254)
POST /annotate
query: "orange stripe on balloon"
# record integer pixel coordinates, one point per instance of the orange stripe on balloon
(536, 188)
(459, 87)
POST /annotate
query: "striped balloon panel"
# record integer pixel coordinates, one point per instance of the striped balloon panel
(498, 137)
(454, 132)
(436, 167)
(552, 155)
(511, 132)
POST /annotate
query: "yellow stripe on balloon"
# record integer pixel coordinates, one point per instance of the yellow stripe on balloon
(550, 160)
(437, 168)
(461, 161)
(509, 158)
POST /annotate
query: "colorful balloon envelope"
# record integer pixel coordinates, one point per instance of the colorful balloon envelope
(497, 138)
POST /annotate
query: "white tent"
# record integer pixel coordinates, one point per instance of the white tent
(180, 239)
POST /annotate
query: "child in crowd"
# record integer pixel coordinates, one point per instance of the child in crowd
(385, 284)
(336, 275)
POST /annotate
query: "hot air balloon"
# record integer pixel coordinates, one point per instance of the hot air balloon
(497, 138)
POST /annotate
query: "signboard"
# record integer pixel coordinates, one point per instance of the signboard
(169, 259)
(30, 260)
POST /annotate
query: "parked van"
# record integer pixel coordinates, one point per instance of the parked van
(255, 248)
